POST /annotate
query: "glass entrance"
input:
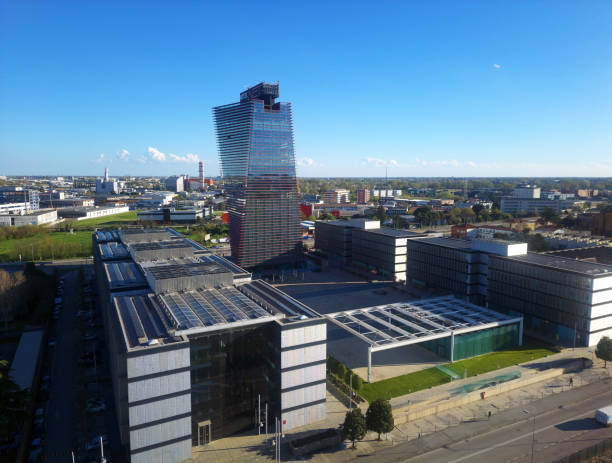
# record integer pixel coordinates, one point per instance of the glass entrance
(204, 433)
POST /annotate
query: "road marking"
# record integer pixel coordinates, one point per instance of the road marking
(501, 444)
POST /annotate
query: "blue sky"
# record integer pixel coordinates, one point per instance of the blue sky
(428, 88)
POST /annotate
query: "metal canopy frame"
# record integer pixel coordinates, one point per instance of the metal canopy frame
(400, 324)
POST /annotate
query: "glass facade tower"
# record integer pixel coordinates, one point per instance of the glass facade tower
(255, 141)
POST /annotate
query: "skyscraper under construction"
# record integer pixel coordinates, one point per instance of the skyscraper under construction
(255, 140)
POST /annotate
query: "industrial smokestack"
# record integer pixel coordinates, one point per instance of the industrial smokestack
(106, 174)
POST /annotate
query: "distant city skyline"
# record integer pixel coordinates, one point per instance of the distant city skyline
(436, 89)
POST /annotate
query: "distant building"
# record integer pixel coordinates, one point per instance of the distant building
(469, 231)
(586, 193)
(108, 186)
(38, 217)
(377, 193)
(363, 196)
(15, 194)
(82, 213)
(172, 215)
(337, 196)
(175, 183)
(601, 222)
(526, 191)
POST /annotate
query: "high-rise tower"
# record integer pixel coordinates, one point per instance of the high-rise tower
(201, 166)
(255, 140)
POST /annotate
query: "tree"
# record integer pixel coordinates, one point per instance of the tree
(381, 214)
(604, 350)
(550, 215)
(13, 401)
(379, 417)
(467, 214)
(477, 208)
(354, 425)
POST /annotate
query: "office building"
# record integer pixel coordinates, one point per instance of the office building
(82, 213)
(199, 350)
(335, 237)
(458, 266)
(17, 195)
(601, 222)
(363, 196)
(39, 217)
(365, 245)
(337, 196)
(526, 191)
(382, 194)
(255, 140)
(526, 199)
(173, 215)
(175, 183)
(564, 301)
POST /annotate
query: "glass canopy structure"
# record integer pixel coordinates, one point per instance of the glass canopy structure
(446, 325)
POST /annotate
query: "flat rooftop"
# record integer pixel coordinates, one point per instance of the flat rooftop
(161, 272)
(454, 243)
(143, 321)
(403, 323)
(159, 245)
(124, 275)
(594, 254)
(395, 233)
(555, 262)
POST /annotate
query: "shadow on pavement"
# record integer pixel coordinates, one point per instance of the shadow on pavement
(578, 425)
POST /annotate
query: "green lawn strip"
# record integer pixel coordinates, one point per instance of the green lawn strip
(58, 245)
(405, 384)
(107, 221)
(497, 360)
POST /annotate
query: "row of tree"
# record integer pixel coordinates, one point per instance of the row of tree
(378, 418)
(26, 231)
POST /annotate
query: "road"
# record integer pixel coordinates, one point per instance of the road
(59, 418)
(558, 432)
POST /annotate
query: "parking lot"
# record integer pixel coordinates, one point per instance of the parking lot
(75, 404)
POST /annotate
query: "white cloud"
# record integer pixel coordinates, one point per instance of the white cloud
(189, 158)
(99, 159)
(156, 154)
(497, 66)
(308, 162)
(124, 154)
(378, 162)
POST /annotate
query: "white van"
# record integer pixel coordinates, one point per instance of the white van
(604, 415)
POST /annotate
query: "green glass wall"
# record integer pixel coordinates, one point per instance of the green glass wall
(475, 343)
(482, 342)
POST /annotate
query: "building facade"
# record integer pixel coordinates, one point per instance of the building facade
(198, 350)
(255, 141)
(562, 300)
(363, 196)
(337, 196)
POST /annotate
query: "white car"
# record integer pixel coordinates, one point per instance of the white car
(604, 416)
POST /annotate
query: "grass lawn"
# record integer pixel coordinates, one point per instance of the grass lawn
(107, 221)
(58, 245)
(497, 360)
(401, 385)
(412, 382)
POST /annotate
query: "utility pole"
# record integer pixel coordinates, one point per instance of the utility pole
(351, 396)
(258, 414)
(266, 420)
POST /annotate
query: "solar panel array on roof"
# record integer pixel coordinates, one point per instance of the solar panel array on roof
(105, 236)
(210, 307)
(180, 270)
(112, 250)
(142, 320)
(124, 274)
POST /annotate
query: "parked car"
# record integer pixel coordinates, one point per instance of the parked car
(90, 336)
